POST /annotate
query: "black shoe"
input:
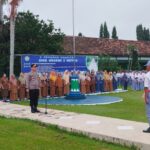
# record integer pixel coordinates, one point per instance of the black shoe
(33, 111)
(147, 130)
(37, 111)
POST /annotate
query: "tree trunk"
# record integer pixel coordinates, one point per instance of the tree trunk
(12, 42)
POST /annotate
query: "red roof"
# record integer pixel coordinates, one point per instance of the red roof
(98, 46)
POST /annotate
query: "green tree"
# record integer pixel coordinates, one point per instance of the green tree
(80, 34)
(146, 34)
(4, 48)
(32, 36)
(35, 36)
(106, 32)
(106, 63)
(139, 32)
(101, 33)
(114, 33)
(142, 33)
(133, 58)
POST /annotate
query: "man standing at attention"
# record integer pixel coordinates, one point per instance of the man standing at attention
(33, 86)
(147, 94)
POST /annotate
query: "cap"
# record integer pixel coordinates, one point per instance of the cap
(34, 65)
(148, 63)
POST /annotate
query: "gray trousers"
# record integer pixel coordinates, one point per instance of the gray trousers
(148, 109)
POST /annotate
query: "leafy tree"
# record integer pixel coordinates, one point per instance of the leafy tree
(35, 36)
(101, 34)
(133, 58)
(139, 32)
(4, 48)
(114, 33)
(80, 34)
(106, 32)
(146, 34)
(106, 63)
(142, 33)
(32, 36)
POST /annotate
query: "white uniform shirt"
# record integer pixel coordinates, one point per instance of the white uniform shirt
(147, 80)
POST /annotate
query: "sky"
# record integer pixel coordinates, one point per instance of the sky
(89, 14)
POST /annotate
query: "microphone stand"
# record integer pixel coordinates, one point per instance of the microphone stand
(46, 105)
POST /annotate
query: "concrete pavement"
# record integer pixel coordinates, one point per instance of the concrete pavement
(109, 129)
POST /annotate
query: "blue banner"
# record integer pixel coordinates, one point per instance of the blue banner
(58, 63)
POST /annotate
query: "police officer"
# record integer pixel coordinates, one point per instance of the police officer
(33, 85)
(147, 94)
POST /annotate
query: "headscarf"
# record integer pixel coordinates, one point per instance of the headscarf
(82, 77)
(53, 76)
(13, 80)
(66, 77)
(22, 78)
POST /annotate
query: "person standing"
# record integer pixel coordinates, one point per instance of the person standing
(125, 81)
(13, 87)
(66, 78)
(93, 82)
(110, 82)
(44, 86)
(4, 87)
(147, 94)
(33, 85)
(88, 82)
(22, 87)
(106, 80)
(52, 82)
(82, 83)
(59, 85)
(115, 81)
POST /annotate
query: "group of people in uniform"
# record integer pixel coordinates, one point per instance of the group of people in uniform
(58, 83)
(33, 85)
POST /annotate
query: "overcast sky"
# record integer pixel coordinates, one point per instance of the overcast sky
(89, 14)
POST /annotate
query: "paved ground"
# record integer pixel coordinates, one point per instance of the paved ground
(109, 129)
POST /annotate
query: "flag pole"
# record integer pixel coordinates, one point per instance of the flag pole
(74, 39)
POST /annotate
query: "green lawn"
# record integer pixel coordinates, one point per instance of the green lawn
(132, 107)
(21, 134)
(16, 134)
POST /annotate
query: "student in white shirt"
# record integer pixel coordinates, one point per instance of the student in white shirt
(147, 94)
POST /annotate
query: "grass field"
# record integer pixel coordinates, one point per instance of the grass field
(16, 134)
(132, 107)
(29, 135)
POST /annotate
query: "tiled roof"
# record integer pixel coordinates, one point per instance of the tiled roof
(97, 46)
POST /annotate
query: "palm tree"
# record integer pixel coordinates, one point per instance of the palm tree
(2, 2)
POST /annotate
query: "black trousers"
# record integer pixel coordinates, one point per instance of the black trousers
(34, 95)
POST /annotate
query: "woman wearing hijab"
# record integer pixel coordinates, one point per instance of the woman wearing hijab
(66, 78)
(21, 86)
(59, 85)
(13, 87)
(88, 82)
(93, 82)
(52, 82)
(82, 83)
(4, 87)
(44, 86)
